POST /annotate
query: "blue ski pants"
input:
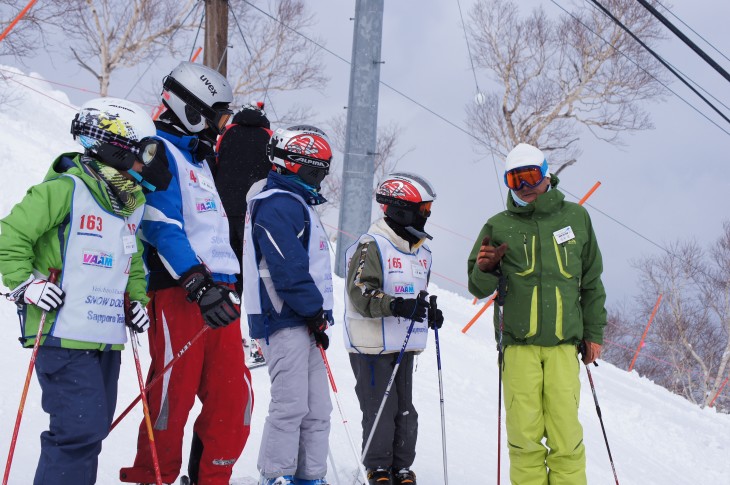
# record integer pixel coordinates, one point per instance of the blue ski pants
(80, 395)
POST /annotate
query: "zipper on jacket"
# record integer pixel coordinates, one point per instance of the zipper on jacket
(531, 267)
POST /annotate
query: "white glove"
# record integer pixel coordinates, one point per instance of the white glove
(137, 319)
(39, 292)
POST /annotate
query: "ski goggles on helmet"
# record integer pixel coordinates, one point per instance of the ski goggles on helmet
(424, 208)
(216, 116)
(531, 176)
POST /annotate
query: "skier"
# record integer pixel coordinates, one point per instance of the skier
(546, 249)
(387, 268)
(82, 219)
(191, 274)
(288, 293)
(241, 160)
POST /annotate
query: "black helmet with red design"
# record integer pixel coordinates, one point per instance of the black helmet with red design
(302, 150)
(406, 199)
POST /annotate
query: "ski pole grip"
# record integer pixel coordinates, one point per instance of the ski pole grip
(431, 309)
(53, 274)
(127, 305)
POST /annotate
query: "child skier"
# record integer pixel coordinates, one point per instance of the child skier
(288, 294)
(82, 219)
(387, 270)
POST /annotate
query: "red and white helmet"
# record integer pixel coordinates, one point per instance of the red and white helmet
(303, 150)
(406, 198)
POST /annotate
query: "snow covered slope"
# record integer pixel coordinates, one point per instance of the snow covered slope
(655, 436)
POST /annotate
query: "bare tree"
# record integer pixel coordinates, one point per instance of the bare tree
(277, 58)
(27, 35)
(385, 157)
(556, 75)
(105, 35)
(691, 330)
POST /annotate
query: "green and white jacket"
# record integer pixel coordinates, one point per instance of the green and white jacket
(35, 236)
(553, 267)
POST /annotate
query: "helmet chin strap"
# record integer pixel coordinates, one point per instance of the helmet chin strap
(419, 234)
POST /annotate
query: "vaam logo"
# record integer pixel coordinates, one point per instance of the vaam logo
(100, 259)
(208, 84)
(404, 289)
(205, 205)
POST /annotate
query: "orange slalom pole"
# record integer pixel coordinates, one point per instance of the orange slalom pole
(161, 107)
(712, 403)
(16, 20)
(54, 273)
(479, 314)
(145, 406)
(646, 330)
(589, 193)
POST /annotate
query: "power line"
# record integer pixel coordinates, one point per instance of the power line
(693, 30)
(640, 67)
(660, 59)
(685, 39)
(258, 72)
(468, 48)
(139, 78)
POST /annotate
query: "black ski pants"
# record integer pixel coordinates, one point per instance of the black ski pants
(394, 441)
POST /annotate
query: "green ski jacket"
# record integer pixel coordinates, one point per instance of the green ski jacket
(32, 235)
(553, 268)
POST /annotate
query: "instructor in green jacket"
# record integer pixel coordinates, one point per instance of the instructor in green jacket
(546, 250)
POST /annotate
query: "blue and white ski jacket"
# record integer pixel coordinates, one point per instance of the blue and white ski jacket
(280, 234)
(168, 252)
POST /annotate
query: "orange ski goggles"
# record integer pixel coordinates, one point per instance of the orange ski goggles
(531, 176)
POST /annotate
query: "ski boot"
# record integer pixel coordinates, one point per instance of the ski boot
(285, 480)
(404, 477)
(379, 476)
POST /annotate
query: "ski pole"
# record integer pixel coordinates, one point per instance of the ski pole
(145, 406)
(53, 277)
(501, 294)
(431, 314)
(421, 295)
(342, 414)
(600, 418)
(159, 376)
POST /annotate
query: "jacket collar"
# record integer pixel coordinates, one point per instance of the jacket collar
(188, 143)
(278, 181)
(546, 203)
(381, 228)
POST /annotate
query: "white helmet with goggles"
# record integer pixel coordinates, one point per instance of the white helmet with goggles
(199, 96)
(302, 150)
(525, 165)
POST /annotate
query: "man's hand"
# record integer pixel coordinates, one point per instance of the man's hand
(317, 326)
(216, 302)
(489, 256)
(591, 351)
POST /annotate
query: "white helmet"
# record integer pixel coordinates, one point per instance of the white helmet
(303, 150)
(196, 94)
(111, 120)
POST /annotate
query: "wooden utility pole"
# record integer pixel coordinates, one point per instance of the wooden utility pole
(216, 35)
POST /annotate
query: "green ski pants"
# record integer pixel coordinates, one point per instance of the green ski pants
(541, 397)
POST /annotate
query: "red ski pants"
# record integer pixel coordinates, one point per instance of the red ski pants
(214, 369)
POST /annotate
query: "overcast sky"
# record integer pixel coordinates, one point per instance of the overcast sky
(668, 184)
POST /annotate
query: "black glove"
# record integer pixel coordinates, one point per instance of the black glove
(410, 308)
(317, 326)
(216, 301)
(435, 316)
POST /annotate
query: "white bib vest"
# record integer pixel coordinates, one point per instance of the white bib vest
(96, 263)
(206, 223)
(319, 261)
(404, 275)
